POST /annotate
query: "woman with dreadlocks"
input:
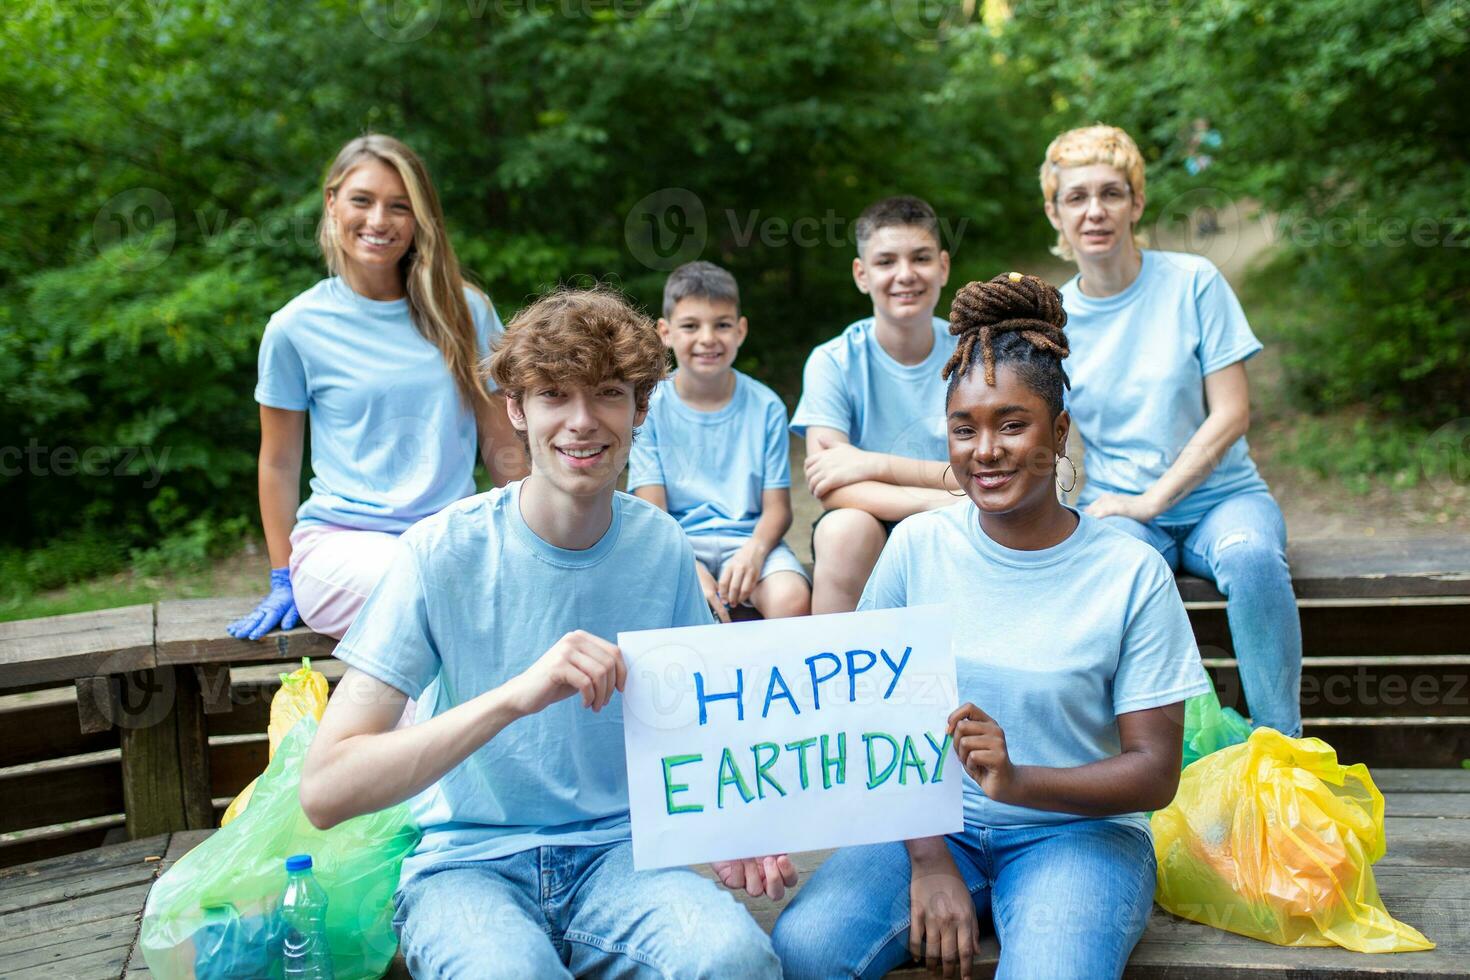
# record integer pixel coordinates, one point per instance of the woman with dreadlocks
(1073, 655)
(1160, 398)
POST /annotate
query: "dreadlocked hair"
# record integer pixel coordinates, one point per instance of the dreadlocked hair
(1016, 320)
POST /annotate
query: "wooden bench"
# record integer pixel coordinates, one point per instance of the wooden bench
(148, 719)
(78, 915)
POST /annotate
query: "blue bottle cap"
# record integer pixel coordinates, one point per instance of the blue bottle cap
(298, 862)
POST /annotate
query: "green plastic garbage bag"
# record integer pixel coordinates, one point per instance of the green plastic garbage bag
(1210, 728)
(213, 915)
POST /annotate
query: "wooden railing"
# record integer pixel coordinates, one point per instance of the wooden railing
(147, 719)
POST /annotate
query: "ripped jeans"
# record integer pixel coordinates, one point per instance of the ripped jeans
(1240, 545)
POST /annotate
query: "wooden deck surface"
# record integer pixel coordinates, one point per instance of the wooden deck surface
(78, 916)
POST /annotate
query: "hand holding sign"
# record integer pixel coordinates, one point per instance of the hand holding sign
(789, 735)
(981, 745)
(579, 663)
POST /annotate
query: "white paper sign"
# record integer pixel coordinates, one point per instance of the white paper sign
(790, 735)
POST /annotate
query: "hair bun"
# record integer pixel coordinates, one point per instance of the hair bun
(1020, 302)
(982, 311)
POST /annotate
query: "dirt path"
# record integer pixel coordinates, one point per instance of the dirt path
(1314, 507)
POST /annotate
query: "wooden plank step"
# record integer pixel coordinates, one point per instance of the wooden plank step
(54, 947)
(1438, 805)
(40, 843)
(1366, 568)
(61, 790)
(60, 648)
(191, 631)
(102, 964)
(1375, 626)
(45, 919)
(42, 724)
(1399, 780)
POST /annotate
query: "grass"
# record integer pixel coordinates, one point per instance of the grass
(242, 573)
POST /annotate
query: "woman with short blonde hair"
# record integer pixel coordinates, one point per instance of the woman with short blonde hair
(1160, 397)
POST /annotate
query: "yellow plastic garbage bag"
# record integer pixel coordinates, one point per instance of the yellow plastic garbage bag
(1273, 839)
(303, 692)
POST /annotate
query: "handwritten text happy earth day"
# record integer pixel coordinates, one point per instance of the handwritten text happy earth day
(741, 740)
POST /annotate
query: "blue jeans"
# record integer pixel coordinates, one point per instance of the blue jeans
(575, 911)
(1066, 900)
(1240, 545)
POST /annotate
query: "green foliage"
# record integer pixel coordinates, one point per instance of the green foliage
(1343, 117)
(167, 158)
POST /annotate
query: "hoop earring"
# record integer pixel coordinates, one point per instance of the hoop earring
(949, 468)
(1073, 467)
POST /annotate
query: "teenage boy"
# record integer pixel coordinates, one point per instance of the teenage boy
(872, 402)
(516, 765)
(714, 452)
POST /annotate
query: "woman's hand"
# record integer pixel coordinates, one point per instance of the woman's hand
(981, 745)
(278, 608)
(943, 927)
(1138, 507)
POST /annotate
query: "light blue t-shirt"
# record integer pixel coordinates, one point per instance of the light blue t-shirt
(713, 466)
(1052, 644)
(471, 599)
(1138, 367)
(392, 441)
(852, 385)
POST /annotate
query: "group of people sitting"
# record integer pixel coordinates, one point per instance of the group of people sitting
(478, 629)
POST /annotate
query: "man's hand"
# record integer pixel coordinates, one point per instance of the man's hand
(579, 663)
(981, 745)
(742, 573)
(838, 466)
(1139, 507)
(769, 876)
(712, 593)
(943, 927)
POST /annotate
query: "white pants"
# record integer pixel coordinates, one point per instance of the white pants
(333, 570)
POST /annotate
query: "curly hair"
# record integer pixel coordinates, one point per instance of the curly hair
(582, 337)
(1012, 319)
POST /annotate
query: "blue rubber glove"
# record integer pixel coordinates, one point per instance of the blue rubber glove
(276, 609)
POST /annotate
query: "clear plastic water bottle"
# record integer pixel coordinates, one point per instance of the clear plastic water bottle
(304, 951)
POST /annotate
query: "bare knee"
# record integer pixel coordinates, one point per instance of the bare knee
(783, 594)
(847, 546)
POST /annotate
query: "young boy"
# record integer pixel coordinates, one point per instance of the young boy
(872, 402)
(516, 764)
(715, 454)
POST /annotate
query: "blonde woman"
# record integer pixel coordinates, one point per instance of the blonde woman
(381, 357)
(1159, 395)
